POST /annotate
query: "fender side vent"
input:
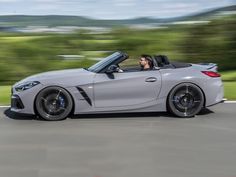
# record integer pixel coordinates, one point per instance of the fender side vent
(84, 94)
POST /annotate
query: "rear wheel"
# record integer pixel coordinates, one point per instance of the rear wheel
(53, 103)
(185, 100)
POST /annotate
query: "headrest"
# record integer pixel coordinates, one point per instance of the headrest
(161, 60)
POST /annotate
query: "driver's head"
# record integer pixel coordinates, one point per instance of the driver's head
(145, 61)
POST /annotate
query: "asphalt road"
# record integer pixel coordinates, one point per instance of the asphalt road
(124, 145)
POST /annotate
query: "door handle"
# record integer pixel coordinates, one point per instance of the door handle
(151, 79)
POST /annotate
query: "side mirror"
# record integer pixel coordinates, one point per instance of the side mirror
(112, 69)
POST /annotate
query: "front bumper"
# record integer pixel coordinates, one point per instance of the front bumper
(16, 102)
(23, 102)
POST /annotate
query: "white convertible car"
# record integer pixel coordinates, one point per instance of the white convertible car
(181, 88)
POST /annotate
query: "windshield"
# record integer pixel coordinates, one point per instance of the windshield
(104, 62)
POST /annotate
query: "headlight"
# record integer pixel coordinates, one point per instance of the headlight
(26, 86)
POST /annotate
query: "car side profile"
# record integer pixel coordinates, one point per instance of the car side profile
(180, 88)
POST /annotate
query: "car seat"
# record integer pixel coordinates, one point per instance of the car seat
(161, 60)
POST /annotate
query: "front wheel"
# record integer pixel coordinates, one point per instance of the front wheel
(53, 103)
(185, 100)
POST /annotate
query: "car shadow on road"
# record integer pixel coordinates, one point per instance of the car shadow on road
(121, 115)
(205, 111)
(17, 116)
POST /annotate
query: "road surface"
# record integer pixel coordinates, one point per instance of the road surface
(123, 145)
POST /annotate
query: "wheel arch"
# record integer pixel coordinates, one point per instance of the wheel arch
(72, 98)
(204, 101)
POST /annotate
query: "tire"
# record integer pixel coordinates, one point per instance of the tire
(185, 100)
(53, 103)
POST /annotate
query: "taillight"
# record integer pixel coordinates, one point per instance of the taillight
(211, 73)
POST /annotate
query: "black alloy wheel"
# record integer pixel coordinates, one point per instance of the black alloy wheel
(53, 103)
(185, 100)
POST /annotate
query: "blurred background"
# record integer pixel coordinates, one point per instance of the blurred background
(43, 35)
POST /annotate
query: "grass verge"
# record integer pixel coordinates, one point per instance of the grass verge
(230, 92)
(228, 75)
(5, 93)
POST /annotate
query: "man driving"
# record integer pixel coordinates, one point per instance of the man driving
(145, 62)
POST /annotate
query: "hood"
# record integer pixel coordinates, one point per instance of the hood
(55, 76)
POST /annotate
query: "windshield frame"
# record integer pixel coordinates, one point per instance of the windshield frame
(101, 66)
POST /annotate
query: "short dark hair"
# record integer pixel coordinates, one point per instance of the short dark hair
(148, 57)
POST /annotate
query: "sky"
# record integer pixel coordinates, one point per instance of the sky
(110, 9)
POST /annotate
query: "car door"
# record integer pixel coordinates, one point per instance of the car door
(126, 89)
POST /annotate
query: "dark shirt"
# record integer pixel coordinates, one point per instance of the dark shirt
(147, 69)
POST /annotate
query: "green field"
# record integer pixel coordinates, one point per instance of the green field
(228, 75)
(229, 88)
(5, 92)
(31, 53)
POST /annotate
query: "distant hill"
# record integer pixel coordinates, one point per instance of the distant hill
(60, 20)
(206, 15)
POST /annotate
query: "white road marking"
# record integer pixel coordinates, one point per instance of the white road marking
(4, 106)
(230, 102)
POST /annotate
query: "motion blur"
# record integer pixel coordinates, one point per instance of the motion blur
(34, 44)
